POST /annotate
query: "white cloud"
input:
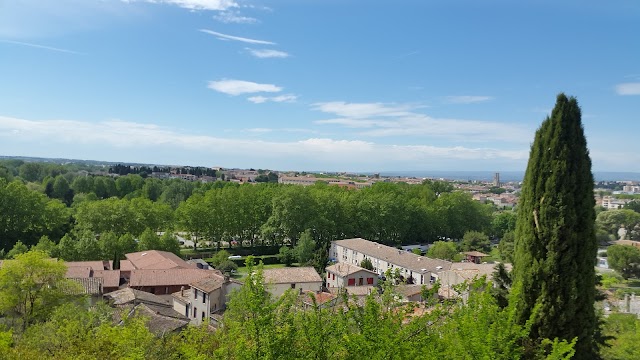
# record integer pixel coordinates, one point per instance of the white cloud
(218, 5)
(234, 17)
(258, 99)
(267, 53)
(237, 87)
(362, 110)
(380, 120)
(467, 99)
(22, 43)
(111, 135)
(281, 98)
(628, 88)
(222, 36)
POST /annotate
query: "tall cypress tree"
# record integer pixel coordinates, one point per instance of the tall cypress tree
(555, 246)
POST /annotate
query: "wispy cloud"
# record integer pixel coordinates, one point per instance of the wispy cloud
(222, 36)
(378, 120)
(38, 46)
(217, 5)
(467, 99)
(237, 87)
(116, 134)
(362, 110)
(234, 17)
(281, 98)
(267, 53)
(628, 88)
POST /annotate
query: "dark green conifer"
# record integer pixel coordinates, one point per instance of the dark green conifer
(555, 246)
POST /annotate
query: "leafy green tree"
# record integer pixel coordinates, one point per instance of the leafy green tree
(475, 241)
(46, 245)
(623, 331)
(31, 171)
(292, 212)
(18, 248)
(503, 222)
(67, 249)
(625, 260)
(62, 191)
(633, 205)
(27, 215)
(87, 246)
(227, 266)
(152, 189)
(149, 240)
(305, 248)
(32, 286)
(613, 220)
(366, 264)
(219, 257)
(286, 255)
(445, 250)
(82, 184)
(555, 246)
(169, 242)
(506, 246)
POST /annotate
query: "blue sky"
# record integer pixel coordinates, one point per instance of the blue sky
(316, 84)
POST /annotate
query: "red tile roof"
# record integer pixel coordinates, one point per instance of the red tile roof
(78, 272)
(157, 260)
(166, 277)
(110, 278)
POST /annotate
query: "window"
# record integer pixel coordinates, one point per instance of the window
(203, 316)
(204, 297)
(369, 281)
(293, 286)
(333, 276)
(360, 281)
(351, 282)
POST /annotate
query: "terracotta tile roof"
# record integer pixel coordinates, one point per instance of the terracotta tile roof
(291, 275)
(478, 269)
(321, 297)
(343, 269)
(94, 265)
(129, 295)
(126, 265)
(78, 272)
(166, 277)
(209, 283)
(154, 259)
(110, 278)
(405, 259)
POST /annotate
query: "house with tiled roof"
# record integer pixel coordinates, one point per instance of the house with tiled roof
(165, 281)
(204, 298)
(279, 280)
(412, 268)
(344, 274)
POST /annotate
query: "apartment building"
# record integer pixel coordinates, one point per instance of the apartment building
(415, 269)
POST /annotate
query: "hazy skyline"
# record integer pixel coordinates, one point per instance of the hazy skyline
(315, 85)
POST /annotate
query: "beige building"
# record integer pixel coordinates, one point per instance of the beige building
(206, 297)
(277, 281)
(415, 269)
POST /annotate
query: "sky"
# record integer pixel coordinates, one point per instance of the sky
(322, 85)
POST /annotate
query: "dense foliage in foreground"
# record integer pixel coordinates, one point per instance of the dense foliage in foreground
(257, 326)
